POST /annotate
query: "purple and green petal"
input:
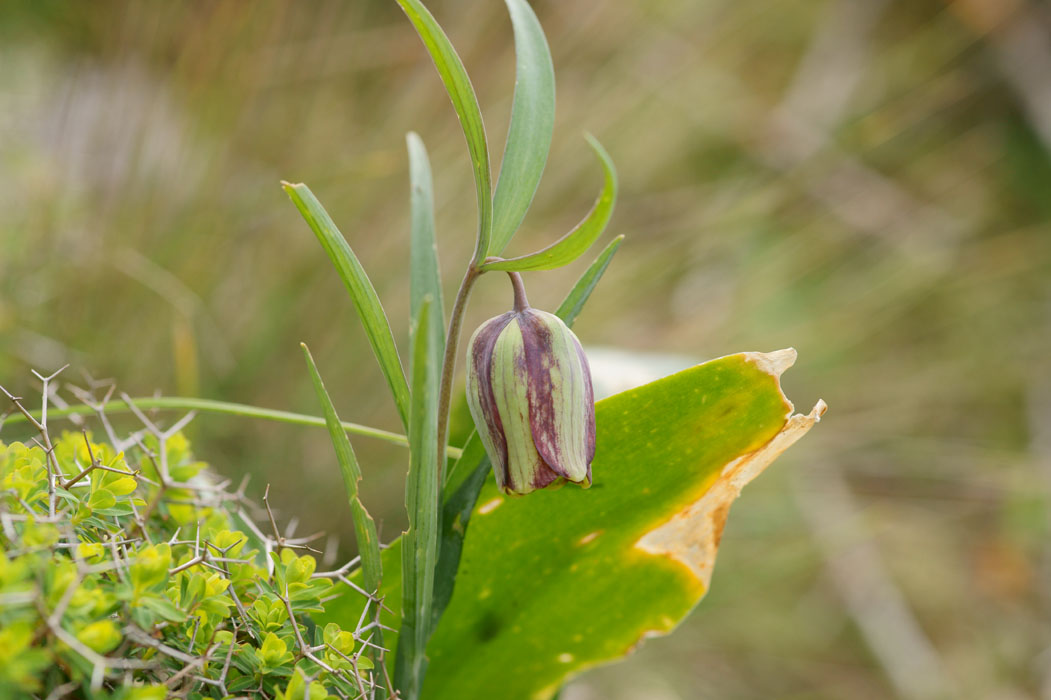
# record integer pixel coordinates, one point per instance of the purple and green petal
(480, 397)
(558, 394)
(589, 408)
(526, 471)
(529, 391)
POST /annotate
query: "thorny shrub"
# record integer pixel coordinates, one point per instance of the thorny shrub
(128, 571)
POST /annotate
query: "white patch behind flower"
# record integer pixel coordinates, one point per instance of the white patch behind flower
(614, 370)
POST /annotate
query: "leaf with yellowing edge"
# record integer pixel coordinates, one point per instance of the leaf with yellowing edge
(556, 582)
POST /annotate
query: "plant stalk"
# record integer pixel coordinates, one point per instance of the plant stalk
(521, 303)
(452, 346)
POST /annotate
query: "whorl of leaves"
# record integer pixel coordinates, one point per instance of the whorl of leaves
(128, 571)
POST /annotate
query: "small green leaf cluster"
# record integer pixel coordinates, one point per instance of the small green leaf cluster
(129, 576)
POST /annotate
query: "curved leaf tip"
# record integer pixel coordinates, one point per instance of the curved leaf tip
(572, 245)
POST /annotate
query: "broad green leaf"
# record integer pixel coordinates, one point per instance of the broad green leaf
(559, 581)
(362, 293)
(364, 525)
(461, 92)
(578, 296)
(424, 274)
(420, 545)
(467, 475)
(532, 122)
(571, 246)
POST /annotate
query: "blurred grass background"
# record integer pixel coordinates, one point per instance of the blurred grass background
(866, 180)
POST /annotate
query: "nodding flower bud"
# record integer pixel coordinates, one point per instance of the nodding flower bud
(529, 391)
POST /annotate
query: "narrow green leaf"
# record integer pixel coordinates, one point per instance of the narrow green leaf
(364, 525)
(532, 123)
(471, 455)
(461, 92)
(420, 546)
(571, 246)
(424, 273)
(578, 296)
(466, 478)
(362, 293)
(185, 403)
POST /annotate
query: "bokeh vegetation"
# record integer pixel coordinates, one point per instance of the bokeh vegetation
(865, 181)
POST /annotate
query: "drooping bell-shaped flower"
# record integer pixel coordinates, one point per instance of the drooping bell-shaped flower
(529, 391)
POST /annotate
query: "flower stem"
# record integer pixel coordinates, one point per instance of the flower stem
(452, 344)
(521, 303)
